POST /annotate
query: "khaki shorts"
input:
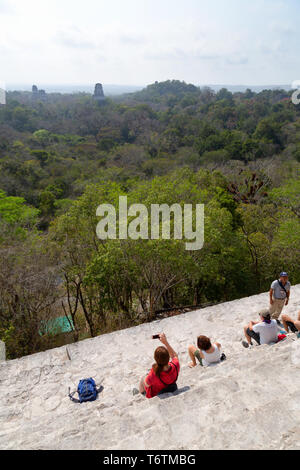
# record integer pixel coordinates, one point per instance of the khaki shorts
(276, 308)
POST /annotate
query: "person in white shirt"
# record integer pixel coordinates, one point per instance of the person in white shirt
(263, 332)
(207, 352)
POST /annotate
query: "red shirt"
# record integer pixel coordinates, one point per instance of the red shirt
(169, 377)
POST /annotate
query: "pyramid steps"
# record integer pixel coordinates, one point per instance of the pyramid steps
(250, 401)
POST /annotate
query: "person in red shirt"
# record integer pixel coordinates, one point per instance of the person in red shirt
(163, 373)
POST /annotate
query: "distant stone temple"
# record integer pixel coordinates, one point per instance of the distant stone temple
(38, 94)
(98, 93)
(2, 95)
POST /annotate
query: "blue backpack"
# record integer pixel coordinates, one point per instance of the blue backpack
(87, 391)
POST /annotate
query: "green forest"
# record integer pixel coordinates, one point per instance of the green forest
(172, 142)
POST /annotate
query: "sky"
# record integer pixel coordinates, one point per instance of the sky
(136, 42)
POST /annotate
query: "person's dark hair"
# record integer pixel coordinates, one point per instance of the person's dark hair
(267, 318)
(204, 343)
(162, 357)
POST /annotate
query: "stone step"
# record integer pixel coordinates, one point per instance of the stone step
(250, 401)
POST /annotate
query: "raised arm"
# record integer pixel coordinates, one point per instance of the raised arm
(164, 341)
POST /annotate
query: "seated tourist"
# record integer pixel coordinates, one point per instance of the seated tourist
(290, 324)
(207, 353)
(163, 375)
(263, 332)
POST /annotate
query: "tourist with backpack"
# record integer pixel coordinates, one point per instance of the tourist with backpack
(164, 373)
(279, 295)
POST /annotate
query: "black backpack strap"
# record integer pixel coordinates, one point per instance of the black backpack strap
(71, 396)
(163, 382)
(176, 370)
(167, 385)
(281, 285)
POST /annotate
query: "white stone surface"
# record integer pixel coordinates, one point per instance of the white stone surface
(251, 401)
(2, 351)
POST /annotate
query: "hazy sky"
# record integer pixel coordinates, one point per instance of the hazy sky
(139, 41)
